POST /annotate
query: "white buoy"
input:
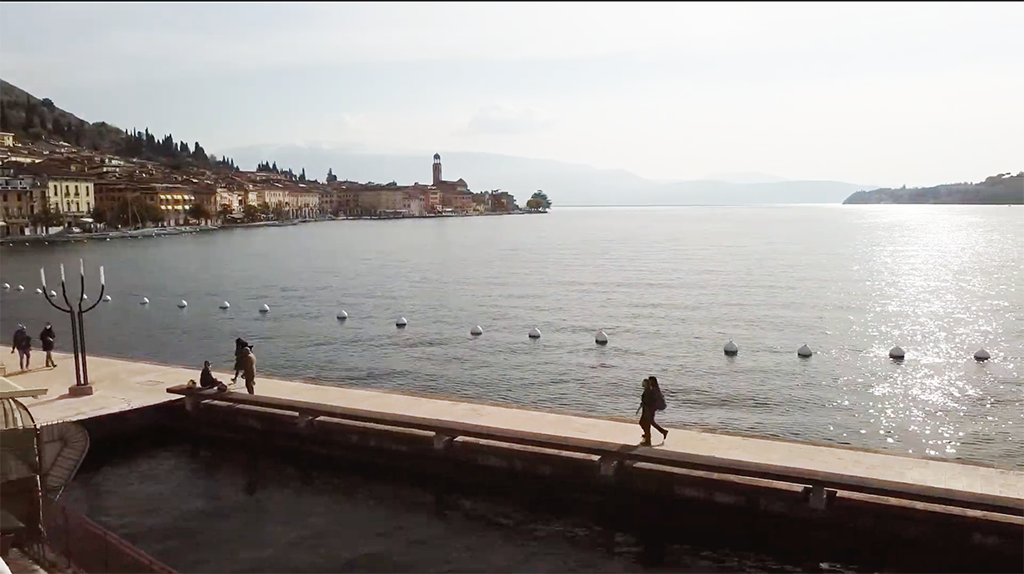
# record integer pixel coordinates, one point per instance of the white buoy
(534, 333)
(85, 297)
(39, 291)
(401, 323)
(21, 287)
(106, 298)
(731, 349)
(6, 286)
(182, 304)
(108, 239)
(896, 353)
(804, 351)
(225, 305)
(342, 315)
(476, 331)
(145, 301)
(601, 338)
(53, 293)
(265, 308)
(982, 355)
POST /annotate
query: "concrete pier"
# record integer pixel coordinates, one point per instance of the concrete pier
(881, 511)
(127, 385)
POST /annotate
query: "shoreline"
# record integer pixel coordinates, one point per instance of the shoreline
(151, 232)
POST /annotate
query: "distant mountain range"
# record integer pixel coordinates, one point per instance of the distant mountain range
(1003, 188)
(567, 184)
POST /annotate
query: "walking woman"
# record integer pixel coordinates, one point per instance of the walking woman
(651, 401)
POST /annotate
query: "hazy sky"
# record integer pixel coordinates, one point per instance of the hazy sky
(886, 93)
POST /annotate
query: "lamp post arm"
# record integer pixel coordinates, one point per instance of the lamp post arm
(103, 288)
(46, 293)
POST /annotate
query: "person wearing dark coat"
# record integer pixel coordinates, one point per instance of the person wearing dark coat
(48, 337)
(207, 380)
(649, 405)
(23, 344)
(240, 346)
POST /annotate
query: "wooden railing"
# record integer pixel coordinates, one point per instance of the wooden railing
(444, 430)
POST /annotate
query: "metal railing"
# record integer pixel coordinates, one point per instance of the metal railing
(82, 545)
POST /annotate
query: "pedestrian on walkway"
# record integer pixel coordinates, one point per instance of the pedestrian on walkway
(240, 346)
(651, 401)
(48, 337)
(249, 370)
(23, 344)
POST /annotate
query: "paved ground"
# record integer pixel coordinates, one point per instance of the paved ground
(122, 385)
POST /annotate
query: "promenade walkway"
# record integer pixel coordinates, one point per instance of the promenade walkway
(124, 385)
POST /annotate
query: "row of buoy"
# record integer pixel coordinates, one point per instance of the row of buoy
(896, 353)
(183, 304)
(106, 298)
(601, 338)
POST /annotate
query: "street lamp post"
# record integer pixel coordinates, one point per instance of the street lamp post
(82, 386)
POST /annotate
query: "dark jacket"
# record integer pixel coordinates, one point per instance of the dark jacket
(206, 379)
(47, 336)
(240, 346)
(22, 341)
(649, 400)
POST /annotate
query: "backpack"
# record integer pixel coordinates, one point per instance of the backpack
(660, 403)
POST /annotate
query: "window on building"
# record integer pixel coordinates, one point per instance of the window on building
(76, 188)
(19, 198)
(78, 207)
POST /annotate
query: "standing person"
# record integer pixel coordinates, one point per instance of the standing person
(23, 344)
(47, 336)
(240, 346)
(249, 369)
(651, 401)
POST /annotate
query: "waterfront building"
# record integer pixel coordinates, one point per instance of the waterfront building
(69, 189)
(20, 199)
(6, 139)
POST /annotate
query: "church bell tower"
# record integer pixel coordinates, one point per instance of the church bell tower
(437, 169)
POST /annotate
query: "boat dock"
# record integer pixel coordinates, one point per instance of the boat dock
(815, 487)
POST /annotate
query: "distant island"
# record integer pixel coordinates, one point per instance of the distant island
(1003, 188)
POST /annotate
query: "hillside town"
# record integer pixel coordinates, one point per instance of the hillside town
(50, 186)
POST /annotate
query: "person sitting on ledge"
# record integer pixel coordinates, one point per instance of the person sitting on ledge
(207, 381)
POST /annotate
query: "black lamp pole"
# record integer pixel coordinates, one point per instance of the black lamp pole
(82, 386)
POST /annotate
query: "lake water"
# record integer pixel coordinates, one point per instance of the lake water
(669, 285)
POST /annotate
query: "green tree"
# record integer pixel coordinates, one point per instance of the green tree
(99, 215)
(223, 213)
(302, 176)
(251, 213)
(46, 217)
(542, 199)
(199, 212)
(150, 213)
(199, 154)
(278, 212)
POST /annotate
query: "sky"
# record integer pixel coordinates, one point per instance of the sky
(886, 93)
